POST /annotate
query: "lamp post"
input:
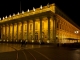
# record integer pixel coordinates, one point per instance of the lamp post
(76, 32)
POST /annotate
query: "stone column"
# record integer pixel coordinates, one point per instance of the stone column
(22, 31)
(13, 32)
(41, 29)
(27, 30)
(54, 30)
(34, 30)
(17, 31)
(5, 32)
(1, 27)
(48, 28)
(9, 33)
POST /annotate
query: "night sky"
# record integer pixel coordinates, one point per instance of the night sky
(70, 7)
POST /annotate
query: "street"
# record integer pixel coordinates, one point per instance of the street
(37, 52)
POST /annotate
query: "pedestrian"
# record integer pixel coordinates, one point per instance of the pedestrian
(23, 43)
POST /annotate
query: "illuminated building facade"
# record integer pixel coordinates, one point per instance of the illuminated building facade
(47, 24)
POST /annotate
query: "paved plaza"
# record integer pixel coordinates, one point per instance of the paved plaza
(37, 52)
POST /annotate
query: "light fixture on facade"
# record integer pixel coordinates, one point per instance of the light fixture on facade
(13, 14)
(48, 5)
(21, 40)
(33, 9)
(18, 13)
(3, 18)
(48, 41)
(26, 40)
(32, 41)
(41, 7)
(7, 40)
(39, 41)
(4, 40)
(6, 17)
(0, 40)
(76, 32)
(28, 10)
(9, 15)
(16, 40)
(22, 12)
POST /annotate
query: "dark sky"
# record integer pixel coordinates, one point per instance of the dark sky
(70, 7)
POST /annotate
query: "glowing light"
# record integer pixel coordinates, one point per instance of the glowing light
(39, 41)
(32, 40)
(18, 13)
(76, 32)
(47, 41)
(0, 18)
(28, 10)
(22, 12)
(48, 5)
(7, 40)
(41, 7)
(0, 40)
(13, 14)
(9, 15)
(6, 17)
(16, 40)
(21, 40)
(26, 40)
(3, 18)
(33, 9)
(4, 40)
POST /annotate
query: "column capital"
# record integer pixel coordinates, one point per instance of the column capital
(48, 17)
(41, 18)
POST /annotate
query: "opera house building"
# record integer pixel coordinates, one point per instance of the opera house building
(46, 24)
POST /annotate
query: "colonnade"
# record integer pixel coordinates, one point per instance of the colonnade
(33, 30)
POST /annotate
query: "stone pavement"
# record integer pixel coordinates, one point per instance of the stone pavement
(30, 51)
(5, 47)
